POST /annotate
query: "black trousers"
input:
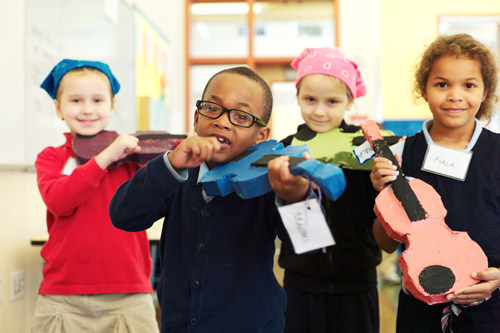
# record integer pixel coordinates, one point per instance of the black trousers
(332, 313)
(415, 316)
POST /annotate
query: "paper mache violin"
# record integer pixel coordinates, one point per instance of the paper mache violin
(336, 146)
(437, 261)
(247, 174)
(152, 143)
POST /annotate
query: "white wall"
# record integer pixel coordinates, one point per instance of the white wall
(14, 205)
(12, 106)
(359, 38)
(23, 212)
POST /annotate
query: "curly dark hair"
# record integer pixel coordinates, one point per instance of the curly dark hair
(461, 45)
(250, 74)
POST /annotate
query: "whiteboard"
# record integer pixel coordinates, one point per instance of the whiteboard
(57, 29)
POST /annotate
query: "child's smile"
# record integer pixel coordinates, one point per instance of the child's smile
(223, 141)
(87, 122)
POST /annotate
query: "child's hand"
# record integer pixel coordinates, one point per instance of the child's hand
(121, 147)
(193, 151)
(383, 172)
(478, 292)
(383, 240)
(288, 187)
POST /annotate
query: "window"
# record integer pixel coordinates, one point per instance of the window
(218, 37)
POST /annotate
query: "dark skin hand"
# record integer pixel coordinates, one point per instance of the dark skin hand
(288, 187)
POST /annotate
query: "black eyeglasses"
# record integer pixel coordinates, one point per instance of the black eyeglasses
(236, 117)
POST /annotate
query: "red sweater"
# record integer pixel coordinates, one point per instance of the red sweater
(85, 253)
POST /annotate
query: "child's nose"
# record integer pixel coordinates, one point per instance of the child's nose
(455, 95)
(223, 120)
(319, 110)
(86, 107)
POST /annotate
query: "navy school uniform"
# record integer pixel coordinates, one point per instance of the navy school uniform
(472, 205)
(216, 256)
(335, 290)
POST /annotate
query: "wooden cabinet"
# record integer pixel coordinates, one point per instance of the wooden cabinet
(265, 35)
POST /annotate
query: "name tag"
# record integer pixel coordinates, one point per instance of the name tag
(69, 166)
(447, 162)
(306, 226)
(364, 152)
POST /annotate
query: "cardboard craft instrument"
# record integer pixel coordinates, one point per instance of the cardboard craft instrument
(152, 143)
(437, 260)
(247, 174)
(336, 146)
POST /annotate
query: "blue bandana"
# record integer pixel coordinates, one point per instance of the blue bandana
(52, 80)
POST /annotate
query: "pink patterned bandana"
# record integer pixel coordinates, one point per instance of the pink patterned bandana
(333, 62)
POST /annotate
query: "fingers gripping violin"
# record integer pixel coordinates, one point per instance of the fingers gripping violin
(437, 260)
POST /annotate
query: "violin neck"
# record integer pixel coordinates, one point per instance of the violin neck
(400, 186)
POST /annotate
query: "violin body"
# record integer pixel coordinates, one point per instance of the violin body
(247, 175)
(152, 143)
(437, 261)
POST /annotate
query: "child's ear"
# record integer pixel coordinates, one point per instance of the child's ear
(195, 124)
(58, 109)
(349, 105)
(113, 103)
(263, 134)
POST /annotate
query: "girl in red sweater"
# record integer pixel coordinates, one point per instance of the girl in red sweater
(96, 277)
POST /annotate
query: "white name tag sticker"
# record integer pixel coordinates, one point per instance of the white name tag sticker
(306, 226)
(447, 162)
(69, 166)
(364, 152)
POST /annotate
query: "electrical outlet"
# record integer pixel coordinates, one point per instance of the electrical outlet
(16, 285)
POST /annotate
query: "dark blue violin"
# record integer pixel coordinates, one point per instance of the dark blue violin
(247, 174)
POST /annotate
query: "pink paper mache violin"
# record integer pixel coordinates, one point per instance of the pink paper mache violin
(437, 261)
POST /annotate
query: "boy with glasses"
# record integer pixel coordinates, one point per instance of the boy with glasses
(217, 252)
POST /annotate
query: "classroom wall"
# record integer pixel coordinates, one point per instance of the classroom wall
(23, 216)
(22, 210)
(17, 195)
(359, 37)
(12, 32)
(407, 27)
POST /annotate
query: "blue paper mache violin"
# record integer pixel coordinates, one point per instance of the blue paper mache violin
(247, 176)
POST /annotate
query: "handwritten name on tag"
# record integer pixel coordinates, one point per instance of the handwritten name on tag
(306, 226)
(364, 152)
(447, 162)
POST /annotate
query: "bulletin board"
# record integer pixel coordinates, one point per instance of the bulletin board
(90, 30)
(152, 77)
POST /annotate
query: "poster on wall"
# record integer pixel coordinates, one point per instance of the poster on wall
(152, 76)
